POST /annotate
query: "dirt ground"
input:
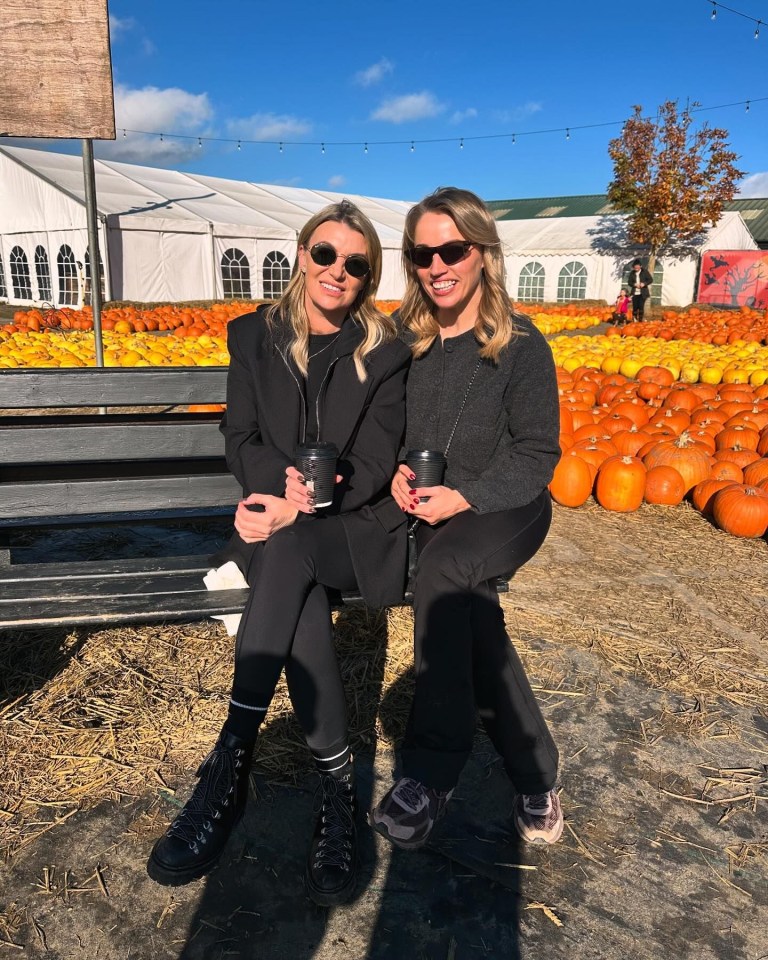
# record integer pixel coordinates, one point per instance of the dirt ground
(646, 639)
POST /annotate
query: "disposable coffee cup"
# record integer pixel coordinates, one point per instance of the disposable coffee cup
(429, 467)
(316, 462)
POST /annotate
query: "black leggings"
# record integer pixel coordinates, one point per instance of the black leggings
(463, 655)
(287, 623)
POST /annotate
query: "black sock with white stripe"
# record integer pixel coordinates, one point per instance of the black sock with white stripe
(244, 718)
(335, 760)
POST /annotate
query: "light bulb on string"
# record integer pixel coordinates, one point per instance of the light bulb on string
(513, 139)
(281, 147)
(747, 107)
(322, 148)
(461, 144)
(365, 148)
(238, 144)
(413, 148)
(713, 15)
(124, 134)
(200, 142)
(567, 133)
(757, 29)
(161, 138)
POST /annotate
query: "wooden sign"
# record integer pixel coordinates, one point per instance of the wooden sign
(55, 69)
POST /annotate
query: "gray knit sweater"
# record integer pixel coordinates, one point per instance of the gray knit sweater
(506, 443)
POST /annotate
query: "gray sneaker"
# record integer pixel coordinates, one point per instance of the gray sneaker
(539, 817)
(408, 812)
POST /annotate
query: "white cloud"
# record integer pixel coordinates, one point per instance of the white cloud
(459, 116)
(412, 106)
(518, 113)
(755, 185)
(337, 181)
(268, 126)
(119, 26)
(375, 73)
(156, 112)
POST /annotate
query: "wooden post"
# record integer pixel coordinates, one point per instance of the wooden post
(93, 246)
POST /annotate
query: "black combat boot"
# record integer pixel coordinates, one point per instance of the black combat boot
(196, 838)
(331, 871)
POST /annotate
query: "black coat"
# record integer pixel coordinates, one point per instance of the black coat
(265, 418)
(644, 277)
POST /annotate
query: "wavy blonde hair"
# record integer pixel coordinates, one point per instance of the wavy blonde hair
(291, 310)
(495, 325)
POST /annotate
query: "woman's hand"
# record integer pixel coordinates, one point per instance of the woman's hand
(253, 527)
(297, 493)
(401, 484)
(443, 503)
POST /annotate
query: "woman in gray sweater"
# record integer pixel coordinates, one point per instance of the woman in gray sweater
(481, 387)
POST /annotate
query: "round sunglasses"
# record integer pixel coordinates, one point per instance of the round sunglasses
(324, 254)
(449, 253)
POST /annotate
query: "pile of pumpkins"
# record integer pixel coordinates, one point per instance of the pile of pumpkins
(654, 440)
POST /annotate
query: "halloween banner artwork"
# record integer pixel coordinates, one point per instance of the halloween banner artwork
(734, 278)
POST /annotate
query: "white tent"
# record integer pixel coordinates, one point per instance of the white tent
(570, 258)
(164, 235)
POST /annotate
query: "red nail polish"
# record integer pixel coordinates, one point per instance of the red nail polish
(412, 493)
(412, 476)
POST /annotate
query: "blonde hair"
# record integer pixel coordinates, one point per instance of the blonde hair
(290, 309)
(495, 325)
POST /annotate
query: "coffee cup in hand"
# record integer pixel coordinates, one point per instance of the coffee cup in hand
(316, 462)
(429, 467)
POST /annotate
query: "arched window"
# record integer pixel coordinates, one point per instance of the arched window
(235, 275)
(530, 289)
(572, 282)
(67, 272)
(276, 273)
(87, 290)
(22, 285)
(3, 288)
(43, 273)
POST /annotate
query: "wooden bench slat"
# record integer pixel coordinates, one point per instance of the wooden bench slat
(138, 567)
(75, 498)
(68, 588)
(95, 387)
(109, 442)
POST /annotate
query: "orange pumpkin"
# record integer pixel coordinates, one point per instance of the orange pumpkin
(664, 485)
(741, 510)
(687, 457)
(572, 482)
(620, 484)
(703, 494)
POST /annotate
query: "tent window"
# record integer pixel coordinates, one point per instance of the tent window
(22, 285)
(277, 273)
(530, 289)
(3, 289)
(43, 273)
(235, 275)
(572, 282)
(67, 271)
(87, 291)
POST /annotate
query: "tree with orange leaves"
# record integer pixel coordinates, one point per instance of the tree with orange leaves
(672, 181)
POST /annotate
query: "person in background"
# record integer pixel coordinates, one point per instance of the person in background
(640, 281)
(621, 308)
(321, 364)
(481, 386)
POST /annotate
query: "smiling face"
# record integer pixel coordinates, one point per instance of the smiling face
(330, 291)
(456, 290)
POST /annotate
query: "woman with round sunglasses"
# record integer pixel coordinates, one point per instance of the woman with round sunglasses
(322, 364)
(482, 390)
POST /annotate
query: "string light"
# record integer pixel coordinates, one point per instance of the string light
(123, 134)
(716, 5)
(282, 144)
(461, 145)
(747, 107)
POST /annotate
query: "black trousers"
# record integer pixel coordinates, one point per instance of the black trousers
(638, 307)
(463, 656)
(287, 624)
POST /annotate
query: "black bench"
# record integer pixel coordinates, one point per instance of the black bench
(81, 453)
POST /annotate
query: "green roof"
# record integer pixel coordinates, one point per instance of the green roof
(754, 210)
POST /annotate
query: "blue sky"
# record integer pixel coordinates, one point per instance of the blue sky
(367, 72)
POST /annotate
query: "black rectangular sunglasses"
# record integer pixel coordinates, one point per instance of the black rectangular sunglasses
(449, 253)
(324, 254)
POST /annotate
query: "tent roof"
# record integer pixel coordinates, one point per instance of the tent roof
(128, 190)
(754, 210)
(606, 234)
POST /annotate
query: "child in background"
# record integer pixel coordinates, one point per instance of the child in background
(621, 308)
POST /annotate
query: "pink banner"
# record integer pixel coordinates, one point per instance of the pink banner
(734, 278)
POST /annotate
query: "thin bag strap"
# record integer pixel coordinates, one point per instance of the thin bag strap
(463, 404)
